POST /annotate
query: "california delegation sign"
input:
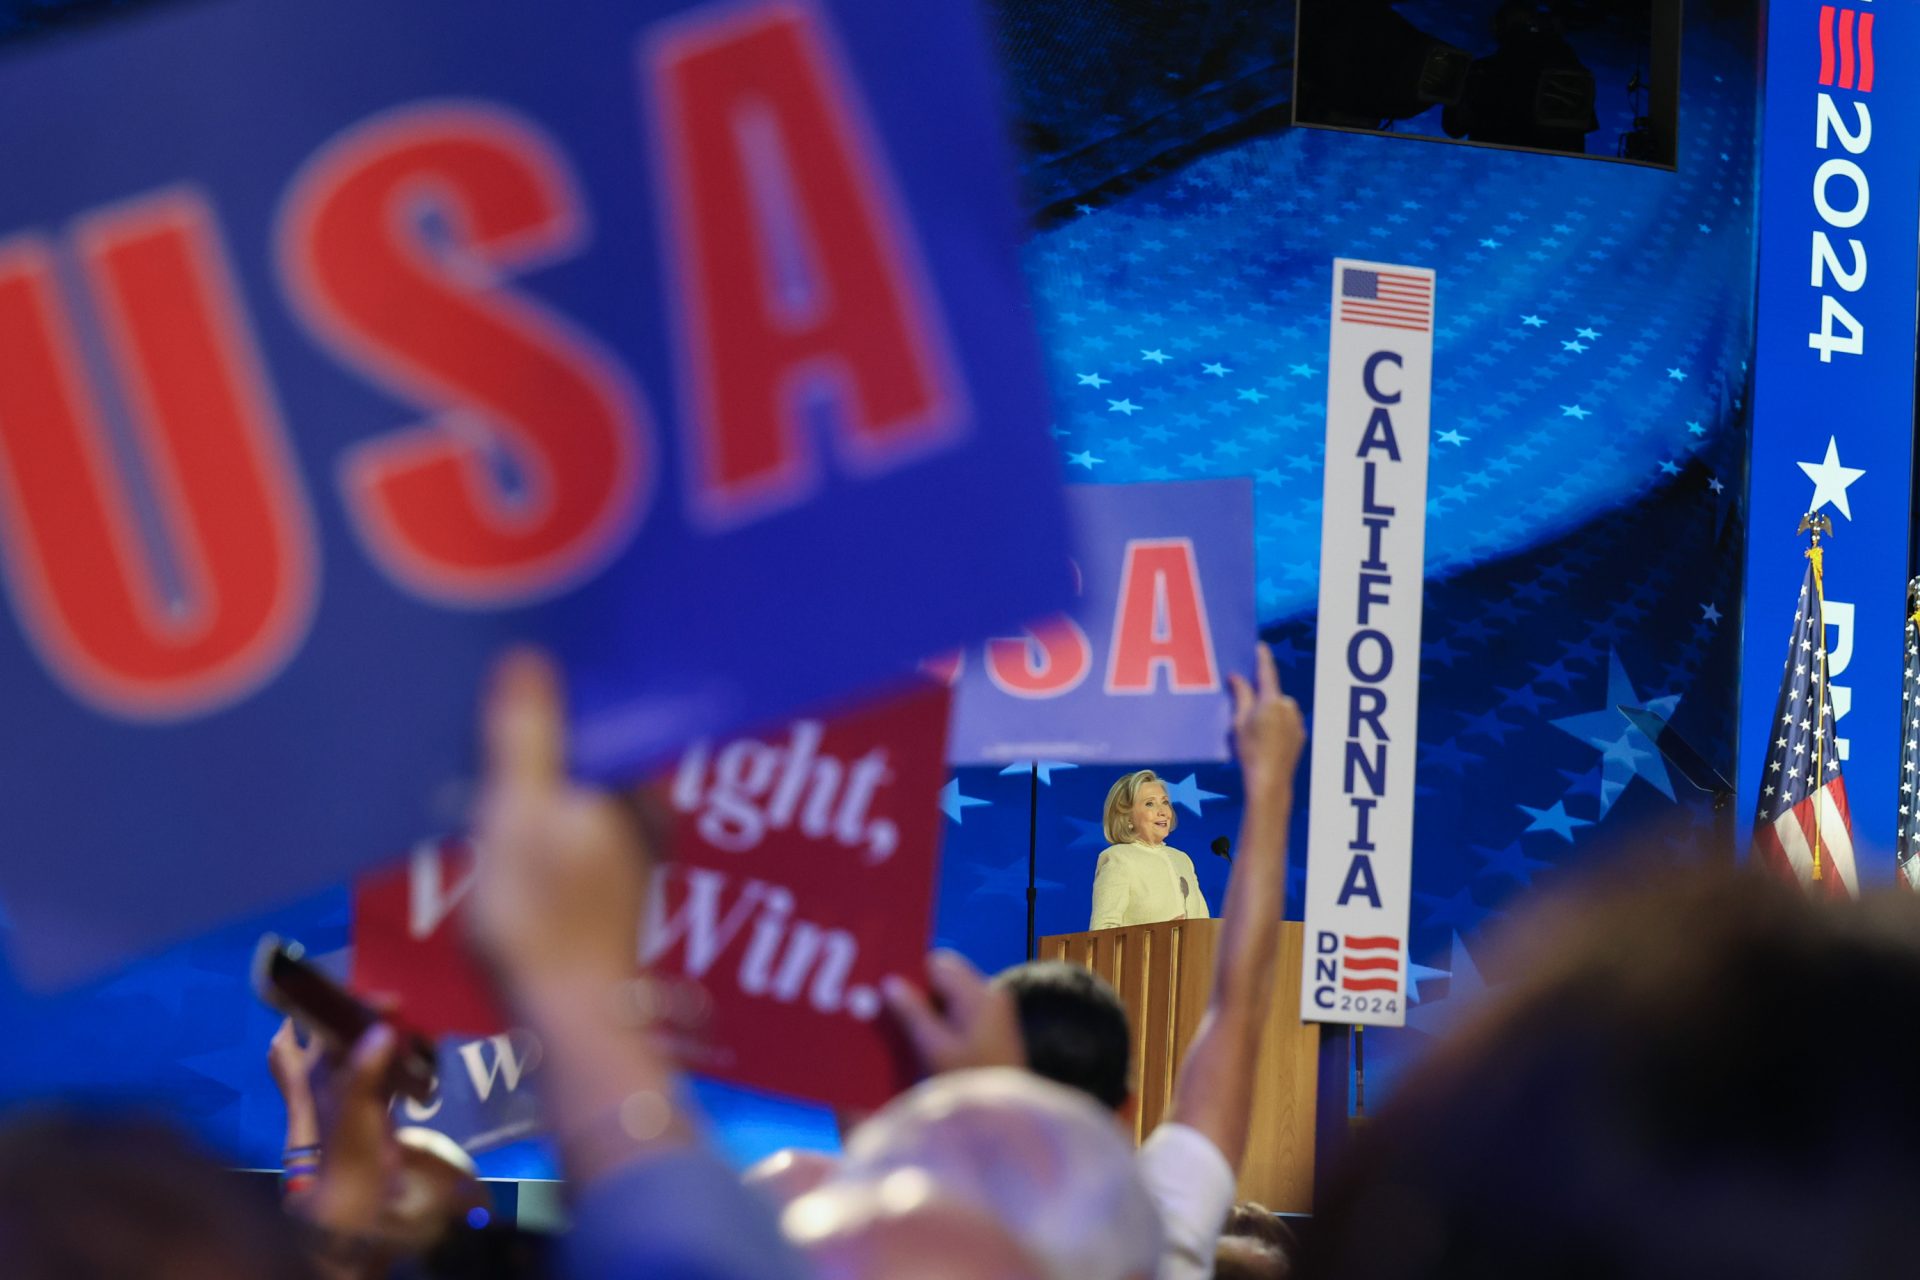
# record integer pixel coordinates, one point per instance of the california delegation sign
(1366, 688)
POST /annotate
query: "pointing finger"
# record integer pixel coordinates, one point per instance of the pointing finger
(524, 726)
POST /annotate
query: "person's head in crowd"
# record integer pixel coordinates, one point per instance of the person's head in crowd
(87, 1197)
(785, 1176)
(1041, 1161)
(1254, 1245)
(1248, 1258)
(435, 1190)
(904, 1226)
(1695, 1075)
(1074, 1028)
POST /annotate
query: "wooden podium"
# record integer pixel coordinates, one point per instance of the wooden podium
(1164, 974)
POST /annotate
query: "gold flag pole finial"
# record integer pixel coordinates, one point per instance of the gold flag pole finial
(1815, 524)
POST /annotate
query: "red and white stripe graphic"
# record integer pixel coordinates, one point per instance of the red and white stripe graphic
(1846, 48)
(1375, 960)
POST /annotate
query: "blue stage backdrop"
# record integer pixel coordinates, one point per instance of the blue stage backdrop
(1586, 525)
(1586, 522)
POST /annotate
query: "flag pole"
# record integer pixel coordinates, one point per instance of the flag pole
(1816, 524)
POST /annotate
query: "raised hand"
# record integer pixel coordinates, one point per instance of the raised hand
(1268, 731)
(974, 1025)
(292, 1061)
(562, 870)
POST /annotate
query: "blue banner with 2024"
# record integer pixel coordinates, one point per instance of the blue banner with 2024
(1834, 384)
(343, 342)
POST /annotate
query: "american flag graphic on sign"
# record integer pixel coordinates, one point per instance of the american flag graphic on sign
(1907, 845)
(1388, 299)
(1803, 831)
(1370, 964)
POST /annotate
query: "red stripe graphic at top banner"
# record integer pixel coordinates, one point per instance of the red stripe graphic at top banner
(1390, 943)
(1374, 962)
(1370, 984)
(1846, 48)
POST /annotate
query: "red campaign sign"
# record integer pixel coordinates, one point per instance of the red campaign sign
(802, 874)
(408, 943)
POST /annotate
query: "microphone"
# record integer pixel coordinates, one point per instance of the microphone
(1222, 846)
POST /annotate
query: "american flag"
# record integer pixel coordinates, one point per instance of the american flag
(1802, 831)
(1909, 830)
(1388, 299)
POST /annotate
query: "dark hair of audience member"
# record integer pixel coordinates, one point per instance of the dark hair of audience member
(1254, 1245)
(1074, 1027)
(1255, 1221)
(1249, 1258)
(92, 1196)
(1697, 1074)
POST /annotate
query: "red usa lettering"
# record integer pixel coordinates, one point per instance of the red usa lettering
(1160, 637)
(749, 788)
(799, 282)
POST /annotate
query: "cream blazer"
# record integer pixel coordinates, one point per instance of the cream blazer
(1140, 884)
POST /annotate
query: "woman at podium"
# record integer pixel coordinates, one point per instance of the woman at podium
(1140, 878)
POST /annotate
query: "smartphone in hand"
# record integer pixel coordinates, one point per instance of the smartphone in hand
(327, 1009)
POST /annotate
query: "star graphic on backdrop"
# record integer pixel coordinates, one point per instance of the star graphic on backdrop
(1007, 880)
(1553, 673)
(1252, 395)
(1455, 913)
(1451, 437)
(1626, 752)
(1708, 613)
(953, 804)
(1588, 334)
(1677, 375)
(1696, 429)
(1301, 370)
(1447, 755)
(1582, 782)
(1831, 480)
(1188, 793)
(1511, 862)
(1464, 989)
(1532, 322)
(1045, 769)
(1713, 483)
(1522, 696)
(1557, 820)
(1574, 345)
(1217, 370)
(1286, 652)
(1127, 407)
(1093, 380)
(1084, 458)
(1578, 413)
(1157, 356)
(1487, 724)
(1087, 834)
(202, 1085)
(1418, 973)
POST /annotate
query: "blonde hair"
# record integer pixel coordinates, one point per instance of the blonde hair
(1115, 822)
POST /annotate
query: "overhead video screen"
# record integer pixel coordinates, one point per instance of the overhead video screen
(1570, 77)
